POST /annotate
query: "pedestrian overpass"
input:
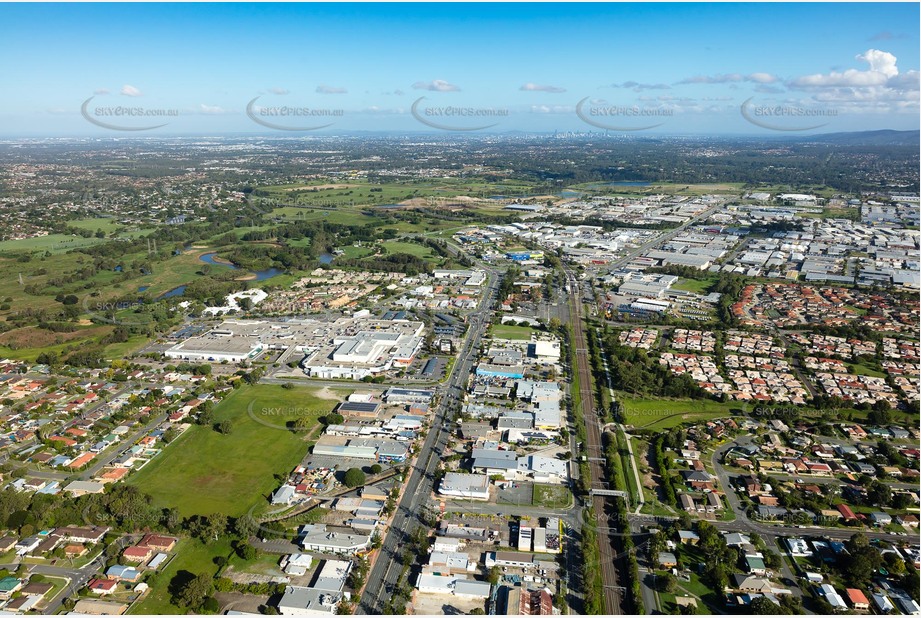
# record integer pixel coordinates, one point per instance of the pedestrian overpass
(609, 492)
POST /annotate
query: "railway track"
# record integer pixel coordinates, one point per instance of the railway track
(607, 549)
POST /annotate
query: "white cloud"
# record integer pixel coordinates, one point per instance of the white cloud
(330, 90)
(639, 87)
(882, 67)
(130, 91)
(437, 85)
(762, 78)
(552, 109)
(730, 78)
(878, 88)
(529, 87)
(212, 110)
(383, 111)
(279, 91)
(101, 91)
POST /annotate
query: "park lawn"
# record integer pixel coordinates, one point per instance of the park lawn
(627, 464)
(551, 496)
(117, 351)
(421, 251)
(651, 413)
(698, 286)
(192, 558)
(507, 331)
(264, 564)
(106, 224)
(55, 243)
(353, 252)
(862, 370)
(205, 472)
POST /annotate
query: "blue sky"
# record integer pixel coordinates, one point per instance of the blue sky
(676, 68)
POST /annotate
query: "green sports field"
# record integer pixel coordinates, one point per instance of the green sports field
(205, 472)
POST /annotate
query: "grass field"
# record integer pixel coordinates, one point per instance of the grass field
(193, 557)
(357, 193)
(352, 251)
(551, 496)
(106, 224)
(506, 331)
(55, 243)
(862, 370)
(421, 251)
(667, 413)
(206, 472)
(698, 286)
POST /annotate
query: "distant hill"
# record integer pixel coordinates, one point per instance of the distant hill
(885, 137)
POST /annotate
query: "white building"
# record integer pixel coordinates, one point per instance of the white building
(475, 486)
(316, 538)
(303, 601)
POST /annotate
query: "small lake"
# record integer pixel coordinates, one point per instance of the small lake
(208, 258)
(143, 288)
(326, 258)
(570, 193)
(172, 293)
(261, 275)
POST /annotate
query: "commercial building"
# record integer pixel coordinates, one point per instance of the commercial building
(303, 601)
(475, 486)
(316, 538)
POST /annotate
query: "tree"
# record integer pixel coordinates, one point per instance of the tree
(246, 551)
(354, 477)
(193, 593)
(494, 575)
(667, 583)
(763, 606)
(376, 469)
(215, 526)
(880, 415)
(225, 427)
(333, 418)
(245, 527)
(211, 606)
(911, 583)
(772, 559)
(879, 493)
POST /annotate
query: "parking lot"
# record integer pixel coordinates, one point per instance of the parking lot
(519, 494)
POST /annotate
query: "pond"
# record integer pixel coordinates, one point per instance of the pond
(261, 275)
(208, 258)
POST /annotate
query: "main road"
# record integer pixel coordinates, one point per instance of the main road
(386, 569)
